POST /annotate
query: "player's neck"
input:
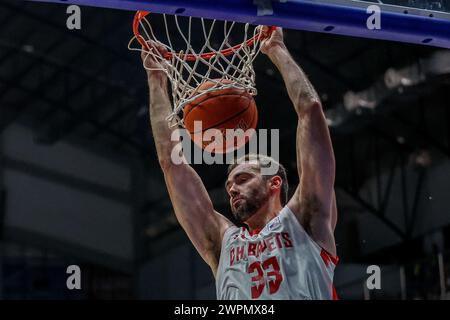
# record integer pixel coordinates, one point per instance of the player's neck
(266, 213)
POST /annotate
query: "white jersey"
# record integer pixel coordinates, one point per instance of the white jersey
(280, 262)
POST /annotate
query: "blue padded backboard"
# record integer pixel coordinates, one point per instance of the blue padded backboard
(414, 21)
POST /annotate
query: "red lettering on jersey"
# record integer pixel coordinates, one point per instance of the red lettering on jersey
(270, 244)
(252, 249)
(231, 256)
(261, 247)
(240, 253)
(287, 242)
(277, 237)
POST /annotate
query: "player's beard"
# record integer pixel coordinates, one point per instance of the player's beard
(250, 204)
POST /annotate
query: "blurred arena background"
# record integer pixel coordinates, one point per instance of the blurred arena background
(80, 182)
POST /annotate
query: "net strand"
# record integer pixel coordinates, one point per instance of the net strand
(186, 76)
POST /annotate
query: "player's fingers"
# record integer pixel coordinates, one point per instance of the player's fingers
(264, 30)
(161, 48)
(156, 48)
(144, 53)
(279, 31)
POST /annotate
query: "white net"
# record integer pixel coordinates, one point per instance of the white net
(200, 51)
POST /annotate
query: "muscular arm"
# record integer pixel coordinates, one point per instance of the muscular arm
(314, 200)
(192, 205)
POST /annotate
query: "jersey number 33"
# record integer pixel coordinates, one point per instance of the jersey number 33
(264, 272)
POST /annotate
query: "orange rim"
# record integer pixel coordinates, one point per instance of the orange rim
(140, 15)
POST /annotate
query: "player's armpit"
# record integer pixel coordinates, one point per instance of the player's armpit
(313, 215)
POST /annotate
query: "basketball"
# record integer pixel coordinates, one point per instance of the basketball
(222, 109)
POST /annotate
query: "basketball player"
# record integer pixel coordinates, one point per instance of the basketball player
(287, 250)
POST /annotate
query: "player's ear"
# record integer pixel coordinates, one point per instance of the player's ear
(275, 182)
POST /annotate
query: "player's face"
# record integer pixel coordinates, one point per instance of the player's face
(247, 189)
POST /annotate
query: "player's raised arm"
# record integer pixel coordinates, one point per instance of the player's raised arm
(193, 207)
(314, 200)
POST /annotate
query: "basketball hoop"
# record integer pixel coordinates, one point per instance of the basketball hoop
(189, 66)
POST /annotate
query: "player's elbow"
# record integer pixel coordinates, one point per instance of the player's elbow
(307, 106)
(165, 163)
(168, 156)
